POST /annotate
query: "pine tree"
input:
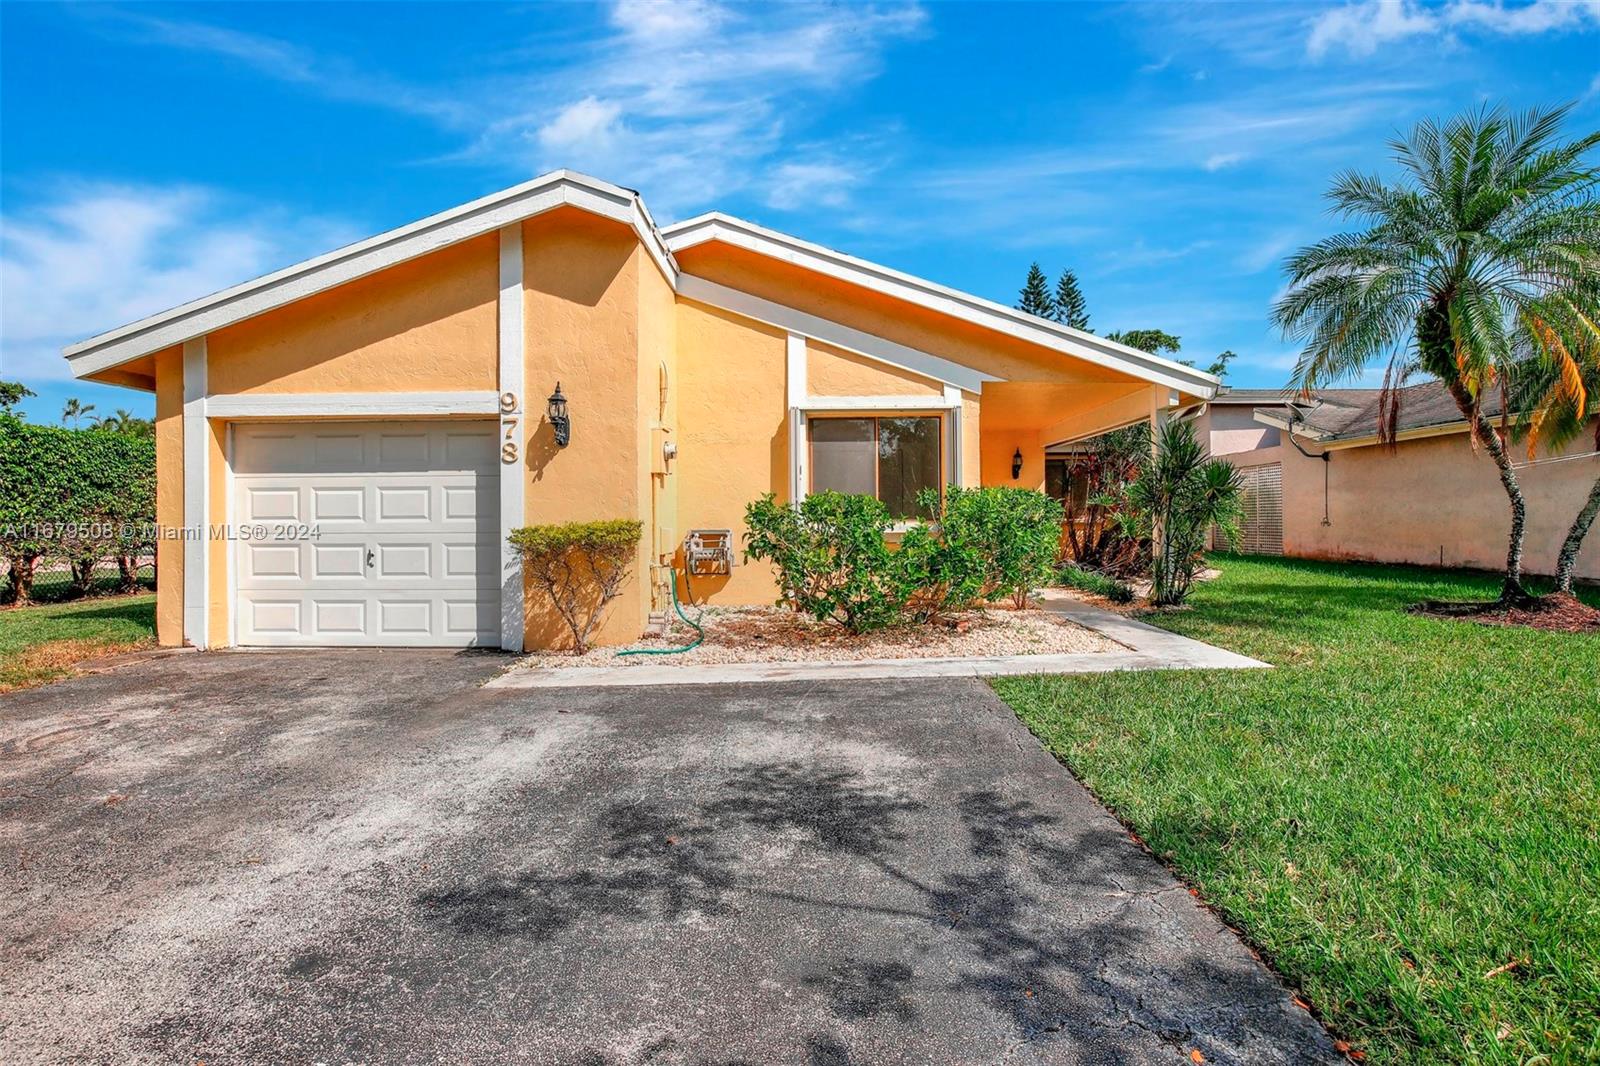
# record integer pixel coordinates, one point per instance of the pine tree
(1070, 308)
(1035, 295)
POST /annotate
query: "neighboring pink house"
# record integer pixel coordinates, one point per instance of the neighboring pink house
(1321, 486)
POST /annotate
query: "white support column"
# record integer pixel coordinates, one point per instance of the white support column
(795, 370)
(799, 476)
(795, 386)
(955, 469)
(513, 434)
(196, 493)
(1160, 399)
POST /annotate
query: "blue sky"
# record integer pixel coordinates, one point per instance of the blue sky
(1170, 154)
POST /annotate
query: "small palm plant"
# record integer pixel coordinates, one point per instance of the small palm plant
(1487, 242)
(1179, 496)
(75, 410)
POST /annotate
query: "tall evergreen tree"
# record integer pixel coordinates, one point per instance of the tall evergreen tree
(1035, 296)
(1070, 307)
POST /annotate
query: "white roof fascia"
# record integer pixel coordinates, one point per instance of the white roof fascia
(845, 338)
(486, 215)
(1086, 346)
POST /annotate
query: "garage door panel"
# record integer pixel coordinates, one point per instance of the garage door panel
(272, 562)
(335, 450)
(468, 451)
(404, 451)
(337, 503)
(467, 561)
(274, 617)
(420, 500)
(337, 561)
(468, 616)
(405, 503)
(395, 560)
(271, 503)
(339, 617)
(464, 503)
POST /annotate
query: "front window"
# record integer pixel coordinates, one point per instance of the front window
(890, 458)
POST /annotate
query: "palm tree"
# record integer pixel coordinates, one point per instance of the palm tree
(75, 410)
(1490, 233)
(1559, 388)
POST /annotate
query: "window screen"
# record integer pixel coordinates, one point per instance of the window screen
(908, 462)
(843, 454)
(891, 458)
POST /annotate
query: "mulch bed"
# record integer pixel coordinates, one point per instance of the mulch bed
(1558, 612)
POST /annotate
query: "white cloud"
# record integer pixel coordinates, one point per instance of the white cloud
(687, 101)
(795, 186)
(96, 256)
(1360, 29)
(693, 102)
(1221, 160)
(1541, 16)
(658, 20)
(1267, 252)
(588, 125)
(1140, 254)
(333, 77)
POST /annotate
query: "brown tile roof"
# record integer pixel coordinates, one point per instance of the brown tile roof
(1351, 414)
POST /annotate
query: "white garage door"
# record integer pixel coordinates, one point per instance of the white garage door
(401, 545)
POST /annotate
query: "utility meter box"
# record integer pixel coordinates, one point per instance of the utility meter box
(708, 552)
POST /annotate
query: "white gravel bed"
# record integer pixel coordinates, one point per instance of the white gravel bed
(777, 635)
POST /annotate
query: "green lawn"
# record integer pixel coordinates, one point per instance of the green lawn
(39, 644)
(1398, 813)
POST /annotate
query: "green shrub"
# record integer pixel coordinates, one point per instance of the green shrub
(832, 558)
(82, 495)
(835, 563)
(580, 566)
(1094, 581)
(988, 543)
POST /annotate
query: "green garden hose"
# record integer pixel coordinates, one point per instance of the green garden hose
(700, 634)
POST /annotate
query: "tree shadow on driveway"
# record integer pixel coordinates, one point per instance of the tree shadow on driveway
(1060, 931)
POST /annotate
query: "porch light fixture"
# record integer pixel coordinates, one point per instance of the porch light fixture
(1016, 465)
(556, 412)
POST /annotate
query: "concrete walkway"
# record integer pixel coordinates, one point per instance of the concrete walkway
(1147, 648)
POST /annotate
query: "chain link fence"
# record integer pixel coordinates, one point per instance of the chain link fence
(55, 582)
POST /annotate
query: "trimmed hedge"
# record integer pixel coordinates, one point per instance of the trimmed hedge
(80, 495)
(580, 566)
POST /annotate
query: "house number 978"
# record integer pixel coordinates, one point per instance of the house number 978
(508, 427)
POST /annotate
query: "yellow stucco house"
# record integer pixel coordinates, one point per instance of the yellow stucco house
(342, 446)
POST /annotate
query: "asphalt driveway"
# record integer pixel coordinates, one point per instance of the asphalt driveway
(363, 857)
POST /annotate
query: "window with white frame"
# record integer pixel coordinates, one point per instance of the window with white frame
(892, 458)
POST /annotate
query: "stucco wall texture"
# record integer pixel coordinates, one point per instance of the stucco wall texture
(640, 366)
(1432, 502)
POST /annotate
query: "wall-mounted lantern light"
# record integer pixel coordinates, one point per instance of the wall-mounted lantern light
(1016, 465)
(556, 412)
